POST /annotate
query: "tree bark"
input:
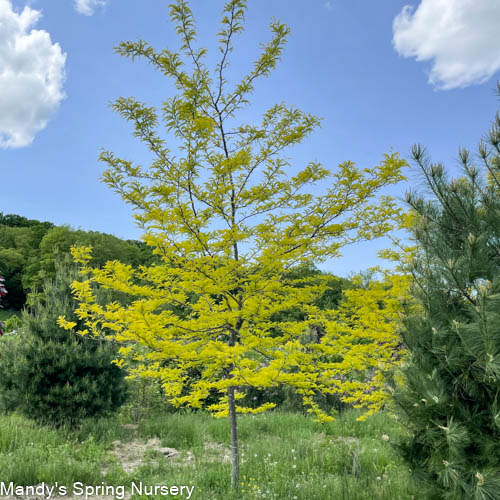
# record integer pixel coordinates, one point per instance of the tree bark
(235, 470)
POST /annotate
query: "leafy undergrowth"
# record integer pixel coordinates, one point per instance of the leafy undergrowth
(283, 456)
(6, 314)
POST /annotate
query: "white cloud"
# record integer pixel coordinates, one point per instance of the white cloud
(88, 7)
(460, 37)
(31, 76)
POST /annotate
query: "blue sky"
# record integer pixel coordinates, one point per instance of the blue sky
(382, 75)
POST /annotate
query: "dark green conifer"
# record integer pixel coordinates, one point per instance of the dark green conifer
(52, 375)
(451, 393)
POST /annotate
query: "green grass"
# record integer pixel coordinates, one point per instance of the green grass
(283, 456)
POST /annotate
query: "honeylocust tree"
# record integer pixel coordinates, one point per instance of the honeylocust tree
(363, 337)
(229, 215)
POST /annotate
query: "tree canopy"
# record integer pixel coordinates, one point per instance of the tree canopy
(230, 216)
(29, 249)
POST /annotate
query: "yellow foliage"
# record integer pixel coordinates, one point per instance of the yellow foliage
(236, 339)
(229, 217)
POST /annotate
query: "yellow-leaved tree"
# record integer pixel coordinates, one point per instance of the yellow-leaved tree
(229, 216)
(363, 342)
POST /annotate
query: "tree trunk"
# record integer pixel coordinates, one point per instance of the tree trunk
(235, 471)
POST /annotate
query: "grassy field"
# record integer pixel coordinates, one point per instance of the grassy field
(284, 456)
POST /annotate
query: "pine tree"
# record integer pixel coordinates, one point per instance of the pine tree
(450, 396)
(57, 377)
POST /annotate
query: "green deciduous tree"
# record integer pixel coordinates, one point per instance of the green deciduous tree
(37, 227)
(16, 248)
(19, 241)
(230, 216)
(30, 248)
(450, 397)
(58, 241)
(3, 293)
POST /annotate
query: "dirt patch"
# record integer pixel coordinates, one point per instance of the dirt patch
(320, 437)
(132, 455)
(215, 452)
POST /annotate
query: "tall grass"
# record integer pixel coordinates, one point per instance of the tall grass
(283, 456)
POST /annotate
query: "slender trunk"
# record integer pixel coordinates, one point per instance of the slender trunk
(235, 461)
(235, 470)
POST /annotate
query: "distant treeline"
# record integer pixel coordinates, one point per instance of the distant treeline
(29, 249)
